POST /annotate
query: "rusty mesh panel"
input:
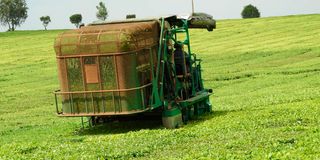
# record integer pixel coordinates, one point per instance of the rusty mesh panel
(108, 82)
(109, 38)
(107, 73)
(62, 72)
(74, 73)
(128, 78)
(126, 71)
(106, 57)
(144, 71)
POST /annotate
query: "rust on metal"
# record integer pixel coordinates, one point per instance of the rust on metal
(106, 68)
(91, 71)
(99, 91)
(103, 114)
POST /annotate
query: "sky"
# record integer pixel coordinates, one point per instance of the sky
(61, 10)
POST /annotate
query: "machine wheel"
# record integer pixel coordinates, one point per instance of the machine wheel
(93, 121)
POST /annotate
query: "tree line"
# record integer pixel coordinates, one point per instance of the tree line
(13, 14)
(102, 14)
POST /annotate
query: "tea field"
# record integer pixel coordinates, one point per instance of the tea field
(265, 74)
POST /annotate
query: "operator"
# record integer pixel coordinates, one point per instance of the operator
(181, 59)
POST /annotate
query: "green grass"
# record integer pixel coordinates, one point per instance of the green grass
(265, 74)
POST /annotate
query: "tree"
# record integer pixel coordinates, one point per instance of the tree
(250, 11)
(102, 12)
(76, 19)
(13, 13)
(45, 21)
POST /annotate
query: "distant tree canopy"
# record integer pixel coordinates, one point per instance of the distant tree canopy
(76, 19)
(250, 11)
(13, 13)
(102, 12)
(45, 21)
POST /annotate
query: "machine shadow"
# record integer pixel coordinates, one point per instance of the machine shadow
(138, 123)
(221, 113)
(214, 114)
(130, 124)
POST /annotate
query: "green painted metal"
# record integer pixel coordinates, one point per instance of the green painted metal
(155, 100)
(198, 102)
(171, 112)
(200, 97)
(172, 120)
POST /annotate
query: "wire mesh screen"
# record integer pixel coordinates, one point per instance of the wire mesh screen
(111, 38)
(106, 69)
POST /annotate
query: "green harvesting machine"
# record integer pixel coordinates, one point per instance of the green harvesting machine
(122, 68)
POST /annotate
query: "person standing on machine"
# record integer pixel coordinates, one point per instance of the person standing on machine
(182, 60)
(179, 59)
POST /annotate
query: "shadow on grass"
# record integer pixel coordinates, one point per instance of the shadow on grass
(138, 123)
(222, 113)
(212, 115)
(131, 124)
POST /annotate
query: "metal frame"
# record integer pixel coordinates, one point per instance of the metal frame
(70, 94)
(199, 96)
(114, 92)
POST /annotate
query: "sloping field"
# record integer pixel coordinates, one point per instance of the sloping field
(266, 78)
